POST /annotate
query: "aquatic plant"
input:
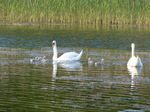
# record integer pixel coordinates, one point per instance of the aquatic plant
(93, 12)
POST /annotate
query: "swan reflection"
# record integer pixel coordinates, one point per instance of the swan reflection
(54, 71)
(134, 71)
(71, 65)
(68, 66)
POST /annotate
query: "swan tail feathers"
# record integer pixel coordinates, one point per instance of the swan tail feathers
(80, 55)
(139, 61)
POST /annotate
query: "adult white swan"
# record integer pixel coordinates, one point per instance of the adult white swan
(68, 56)
(134, 61)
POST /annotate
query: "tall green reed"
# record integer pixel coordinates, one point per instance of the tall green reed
(94, 12)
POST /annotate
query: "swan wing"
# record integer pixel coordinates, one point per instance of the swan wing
(135, 61)
(69, 56)
(139, 61)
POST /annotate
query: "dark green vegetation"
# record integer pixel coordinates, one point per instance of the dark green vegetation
(82, 12)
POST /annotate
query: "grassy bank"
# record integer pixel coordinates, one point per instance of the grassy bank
(95, 12)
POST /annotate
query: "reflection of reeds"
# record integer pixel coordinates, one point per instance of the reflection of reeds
(96, 12)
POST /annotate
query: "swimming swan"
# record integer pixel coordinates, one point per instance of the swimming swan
(68, 56)
(134, 61)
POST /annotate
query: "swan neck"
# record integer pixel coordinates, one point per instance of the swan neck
(133, 50)
(54, 52)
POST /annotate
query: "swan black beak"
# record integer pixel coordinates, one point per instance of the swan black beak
(53, 44)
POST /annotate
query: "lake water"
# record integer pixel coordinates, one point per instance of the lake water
(73, 86)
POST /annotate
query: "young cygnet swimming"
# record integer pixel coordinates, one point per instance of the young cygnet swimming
(96, 63)
(38, 59)
(90, 61)
(42, 59)
(99, 63)
(34, 60)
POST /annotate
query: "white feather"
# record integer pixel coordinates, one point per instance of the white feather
(134, 61)
(68, 56)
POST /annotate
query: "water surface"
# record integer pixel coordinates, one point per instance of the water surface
(75, 86)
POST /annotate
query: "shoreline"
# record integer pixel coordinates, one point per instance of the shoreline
(48, 24)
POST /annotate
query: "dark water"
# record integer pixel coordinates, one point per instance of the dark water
(73, 86)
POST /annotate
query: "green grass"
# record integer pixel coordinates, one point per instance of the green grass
(83, 12)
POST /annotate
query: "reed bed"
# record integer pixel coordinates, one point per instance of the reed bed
(82, 12)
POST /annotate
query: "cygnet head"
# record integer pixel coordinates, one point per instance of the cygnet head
(53, 43)
(90, 61)
(99, 62)
(39, 58)
(44, 57)
(102, 60)
(36, 58)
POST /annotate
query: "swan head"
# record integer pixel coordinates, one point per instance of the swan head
(53, 43)
(132, 45)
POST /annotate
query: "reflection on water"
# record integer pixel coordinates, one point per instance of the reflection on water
(54, 73)
(74, 86)
(71, 65)
(134, 71)
(66, 36)
(67, 65)
(71, 84)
